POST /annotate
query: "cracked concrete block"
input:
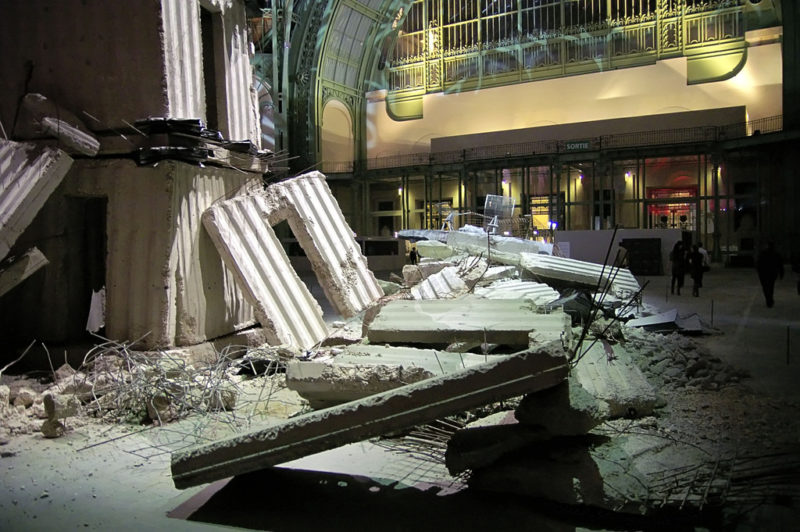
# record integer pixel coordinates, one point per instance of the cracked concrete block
(608, 373)
(466, 319)
(444, 284)
(433, 249)
(586, 274)
(28, 175)
(539, 293)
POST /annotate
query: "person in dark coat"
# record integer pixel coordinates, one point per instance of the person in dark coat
(413, 256)
(770, 267)
(677, 258)
(696, 263)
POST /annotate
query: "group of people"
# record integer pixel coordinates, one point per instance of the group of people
(692, 260)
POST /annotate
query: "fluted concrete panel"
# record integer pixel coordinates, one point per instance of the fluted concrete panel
(546, 267)
(249, 247)
(539, 293)
(165, 281)
(183, 59)
(317, 222)
(28, 175)
(441, 285)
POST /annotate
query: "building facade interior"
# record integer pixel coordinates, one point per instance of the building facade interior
(586, 114)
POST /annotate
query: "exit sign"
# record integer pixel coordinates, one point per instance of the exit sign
(577, 145)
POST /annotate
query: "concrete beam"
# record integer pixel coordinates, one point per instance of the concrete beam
(466, 319)
(28, 175)
(539, 293)
(587, 274)
(20, 269)
(378, 414)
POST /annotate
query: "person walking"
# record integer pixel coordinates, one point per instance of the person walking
(677, 258)
(695, 259)
(769, 266)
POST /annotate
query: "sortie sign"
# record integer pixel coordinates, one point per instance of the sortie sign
(577, 145)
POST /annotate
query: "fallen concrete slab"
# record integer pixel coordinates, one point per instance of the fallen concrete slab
(503, 249)
(444, 284)
(608, 373)
(252, 252)
(466, 319)
(434, 249)
(414, 273)
(21, 268)
(585, 274)
(41, 117)
(362, 370)
(28, 175)
(664, 321)
(539, 293)
(378, 414)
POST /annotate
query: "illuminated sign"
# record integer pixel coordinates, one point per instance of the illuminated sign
(577, 145)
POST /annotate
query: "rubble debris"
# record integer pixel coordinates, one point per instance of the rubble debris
(539, 293)
(361, 370)
(497, 273)
(41, 117)
(375, 415)
(564, 410)
(445, 284)
(30, 173)
(578, 305)
(414, 273)
(389, 288)
(467, 319)
(579, 273)
(17, 269)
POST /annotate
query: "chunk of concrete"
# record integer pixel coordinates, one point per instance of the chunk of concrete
(28, 175)
(382, 413)
(433, 249)
(444, 284)
(41, 117)
(20, 268)
(564, 410)
(466, 319)
(548, 268)
(414, 273)
(502, 249)
(607, 372)
(539, 293)
(362, 370)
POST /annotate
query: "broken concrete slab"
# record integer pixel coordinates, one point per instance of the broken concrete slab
(318, 223)
(503, 249)
(608, 373)
(577, 272)
(252, 252)
(445, 284)
(416, 235)
(375, 415)
(414, 273)
(433, 249)
(20, 268)
(539, 293)
(496, 273)
(466, 319)
(663, 321)
(362, 370)
(41, 117)
(28, 175)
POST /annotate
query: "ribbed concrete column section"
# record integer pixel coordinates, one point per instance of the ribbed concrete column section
(318, 224)
(28, 175)
(546, 267)
(539, 293)
(251, 250)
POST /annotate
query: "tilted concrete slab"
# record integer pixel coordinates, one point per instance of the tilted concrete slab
(444, 284)
(588, 274)
(317, 222)
(378, 414)
(466, 319)
(539, 293)
(414, 273)
(362, 370)
(20, 269)
(252, 252)
(503, 249)
(28, 175)
(618, 381)
(434, 249)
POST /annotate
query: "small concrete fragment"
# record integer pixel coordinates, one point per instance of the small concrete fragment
(608, 373)
(20, 268)
(52, 428)
(467, 319)
(25, 397)
(383, 413)
(564, 410)
(433, 249)
(58, 406)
